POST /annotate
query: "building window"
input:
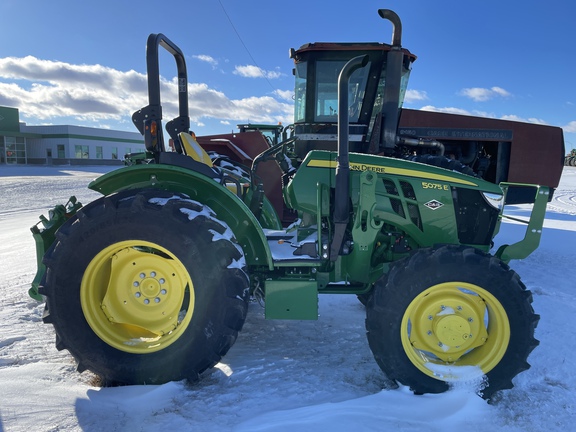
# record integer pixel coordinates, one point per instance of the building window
(114, 152)
(81, 152)
(98, 152)
(61, 152)
(15, 150)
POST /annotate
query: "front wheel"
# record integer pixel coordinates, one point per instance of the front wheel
(449, 314)
(145, 287)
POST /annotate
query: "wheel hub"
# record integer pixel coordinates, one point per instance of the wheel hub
(449, 324)
(136, 296)
(452, 330)
(149, 288)
(145, 276)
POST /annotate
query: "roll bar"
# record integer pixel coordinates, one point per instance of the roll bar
(148, 120)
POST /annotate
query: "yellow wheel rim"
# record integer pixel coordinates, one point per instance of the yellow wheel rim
(455, 331)
(137, 296)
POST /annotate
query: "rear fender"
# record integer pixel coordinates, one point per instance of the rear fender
(227, 205)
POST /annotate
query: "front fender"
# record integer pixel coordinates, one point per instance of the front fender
(227, 206)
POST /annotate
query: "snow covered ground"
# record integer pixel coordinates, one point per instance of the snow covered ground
(280, 375)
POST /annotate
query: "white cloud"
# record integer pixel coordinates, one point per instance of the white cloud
(207, 59)
(479, 94)
(287, 95)
(500, 91)
(208, 102)
(44, 89)
(415, 95)
(514, 117)
(570, 127)
(62, 89)
(448, 110)
(511, 117)
(250, 71)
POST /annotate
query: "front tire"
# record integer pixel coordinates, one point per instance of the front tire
(449, 314)
(145, 287)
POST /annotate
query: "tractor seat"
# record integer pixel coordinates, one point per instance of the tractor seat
(193, 149)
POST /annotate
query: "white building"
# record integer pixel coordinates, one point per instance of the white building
(62, 145)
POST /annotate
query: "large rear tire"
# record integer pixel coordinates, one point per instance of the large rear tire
(449, 314)
(145, 287)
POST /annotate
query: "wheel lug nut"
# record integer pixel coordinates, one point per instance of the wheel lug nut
(142, 275)
(162, 280)
(163, 292)
(157, 300)
(146, 301)
(136, 283)
(138, 294)
(153, 274)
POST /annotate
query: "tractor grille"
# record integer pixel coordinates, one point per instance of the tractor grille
(390, 187)
(407, 190)
(404, 193)
(414, 213)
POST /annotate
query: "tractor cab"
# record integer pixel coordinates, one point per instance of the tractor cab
(375, 93)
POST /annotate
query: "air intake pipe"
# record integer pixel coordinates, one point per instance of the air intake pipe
(342, 192)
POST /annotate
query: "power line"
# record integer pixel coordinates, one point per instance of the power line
(245, 47)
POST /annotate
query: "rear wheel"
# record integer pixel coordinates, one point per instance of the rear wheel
(145, 288)
(451, 314)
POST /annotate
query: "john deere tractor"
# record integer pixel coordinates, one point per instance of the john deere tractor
(151, 282)
(570, 159)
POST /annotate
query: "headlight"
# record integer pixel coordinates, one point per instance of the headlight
(495, 200)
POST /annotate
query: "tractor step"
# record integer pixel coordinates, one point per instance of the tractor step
(285, 247)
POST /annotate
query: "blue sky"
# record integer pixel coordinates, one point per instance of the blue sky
(83, 63)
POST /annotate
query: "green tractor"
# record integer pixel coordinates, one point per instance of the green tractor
(151, 282)
(570, 159)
